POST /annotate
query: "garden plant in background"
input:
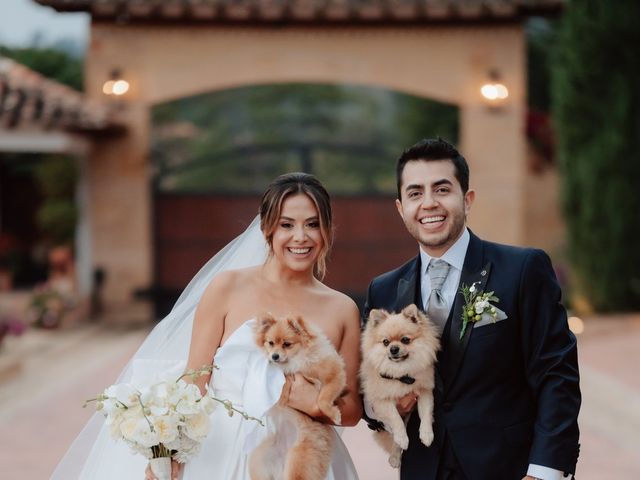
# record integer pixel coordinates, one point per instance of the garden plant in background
(57, 218)
(8, 260)
(10, 325)
(596, 104)
(49, 305)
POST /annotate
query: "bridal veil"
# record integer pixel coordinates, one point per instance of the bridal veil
(164, 350)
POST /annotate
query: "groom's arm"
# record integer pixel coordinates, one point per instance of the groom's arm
(551, 367)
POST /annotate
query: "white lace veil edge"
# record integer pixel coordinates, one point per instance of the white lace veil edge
(167, 345)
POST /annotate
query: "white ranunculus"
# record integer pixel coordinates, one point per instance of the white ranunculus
(197, 426)
(128, 428)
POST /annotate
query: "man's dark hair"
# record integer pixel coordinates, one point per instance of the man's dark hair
(431, 149)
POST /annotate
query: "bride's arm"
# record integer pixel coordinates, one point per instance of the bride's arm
(351, 404)
(208, 326)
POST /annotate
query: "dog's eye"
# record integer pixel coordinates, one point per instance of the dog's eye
(405, 340)
(271, 344)
(286, 344)
(386, 342)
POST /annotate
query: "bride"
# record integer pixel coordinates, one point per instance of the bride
(275, 267)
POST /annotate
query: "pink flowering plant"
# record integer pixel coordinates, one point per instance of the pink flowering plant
(10, 325)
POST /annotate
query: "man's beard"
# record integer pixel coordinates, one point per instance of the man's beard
(449, 237)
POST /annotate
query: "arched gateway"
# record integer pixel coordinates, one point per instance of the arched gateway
(440, 49)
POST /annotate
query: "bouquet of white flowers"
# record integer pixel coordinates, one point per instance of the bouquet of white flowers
(165, 420)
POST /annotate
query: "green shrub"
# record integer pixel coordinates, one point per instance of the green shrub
(596, 100)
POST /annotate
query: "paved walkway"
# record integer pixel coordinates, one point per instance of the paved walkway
(46, 375)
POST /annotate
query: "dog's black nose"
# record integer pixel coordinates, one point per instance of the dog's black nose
(394, 349)
(275, 357)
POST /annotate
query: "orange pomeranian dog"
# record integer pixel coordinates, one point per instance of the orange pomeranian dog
(298, 347)
(398, 357)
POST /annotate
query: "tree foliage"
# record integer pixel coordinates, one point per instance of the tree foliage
(238, 140)
(596, 103)
(58, 215)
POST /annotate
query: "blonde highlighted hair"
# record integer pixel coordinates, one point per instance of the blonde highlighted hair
(291, 184)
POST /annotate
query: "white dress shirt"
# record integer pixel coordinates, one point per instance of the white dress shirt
(455, 258)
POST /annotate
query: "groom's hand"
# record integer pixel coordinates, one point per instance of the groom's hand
(406, 404)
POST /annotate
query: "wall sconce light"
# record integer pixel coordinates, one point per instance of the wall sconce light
(116, 85)
(494, 91)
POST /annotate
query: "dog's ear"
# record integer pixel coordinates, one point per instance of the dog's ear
(264, 323)
(298, 325)
(413, 314)
(377, 316)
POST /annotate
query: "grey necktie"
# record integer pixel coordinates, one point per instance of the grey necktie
(438, 310)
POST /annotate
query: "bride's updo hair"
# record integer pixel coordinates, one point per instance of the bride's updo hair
(292, 184)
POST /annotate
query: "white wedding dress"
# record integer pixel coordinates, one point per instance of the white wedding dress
(253, 384)
(244, 376)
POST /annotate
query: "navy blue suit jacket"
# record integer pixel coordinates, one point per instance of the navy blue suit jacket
(507, 394)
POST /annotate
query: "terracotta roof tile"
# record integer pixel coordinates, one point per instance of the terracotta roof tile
(28, 99)
(324, 11)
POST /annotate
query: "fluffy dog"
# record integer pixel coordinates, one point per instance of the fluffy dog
(398, 358)
(298, 347)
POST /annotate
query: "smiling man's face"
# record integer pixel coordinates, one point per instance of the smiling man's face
(433, 207)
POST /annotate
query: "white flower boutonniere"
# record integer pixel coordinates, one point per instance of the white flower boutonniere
(478, 306)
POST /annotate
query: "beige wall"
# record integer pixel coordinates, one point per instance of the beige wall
(164, 63)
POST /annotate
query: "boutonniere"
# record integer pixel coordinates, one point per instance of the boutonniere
(477, 306)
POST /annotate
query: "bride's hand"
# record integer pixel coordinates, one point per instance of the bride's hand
(176, 468)
(301, 393)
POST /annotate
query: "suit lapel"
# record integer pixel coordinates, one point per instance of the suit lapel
(408, 287)
(473, 271)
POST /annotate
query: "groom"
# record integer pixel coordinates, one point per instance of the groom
(507, 390)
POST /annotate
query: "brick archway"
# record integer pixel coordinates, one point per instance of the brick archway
(442, 50)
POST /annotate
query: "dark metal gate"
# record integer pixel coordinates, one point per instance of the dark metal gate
(190, 228)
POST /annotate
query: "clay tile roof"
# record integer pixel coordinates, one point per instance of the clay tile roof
(318, 11)
(30, 100)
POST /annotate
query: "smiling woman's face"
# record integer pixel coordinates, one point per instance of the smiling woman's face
(297, 239)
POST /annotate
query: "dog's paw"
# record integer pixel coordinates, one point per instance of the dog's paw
(426, 435)
(401, 440)
(394, 459)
